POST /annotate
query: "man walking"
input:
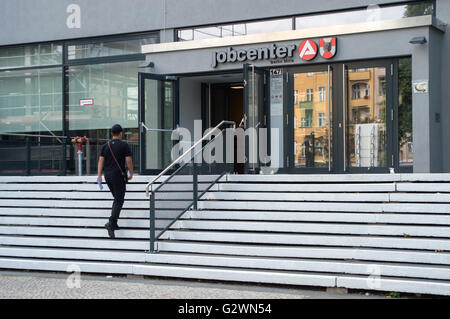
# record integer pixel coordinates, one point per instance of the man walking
(112, 161)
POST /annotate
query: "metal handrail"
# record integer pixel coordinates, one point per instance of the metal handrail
(176, 161)
(33, 135)
(156, 129)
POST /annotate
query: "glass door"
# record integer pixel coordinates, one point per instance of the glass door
(308, 120)
(157, 120)
(367, 117)
(254, 112)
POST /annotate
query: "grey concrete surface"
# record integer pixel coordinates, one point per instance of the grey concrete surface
(31, 285)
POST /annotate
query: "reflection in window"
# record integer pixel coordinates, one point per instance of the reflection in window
(231, 30)
(31, 100)
(113, 87)
(360, 91)
(110, 48)
(308, 118)
(369, 14)
(356, 91)
(309, 95)
(382, 85)
(406, 157)
(361, 114)
(312, 138)
(321, 119)
(30, 55)
(321, 93)
(366, 125)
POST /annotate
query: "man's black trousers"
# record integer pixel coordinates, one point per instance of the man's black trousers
(117, 187)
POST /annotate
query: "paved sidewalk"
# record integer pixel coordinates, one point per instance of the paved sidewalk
(40, 285)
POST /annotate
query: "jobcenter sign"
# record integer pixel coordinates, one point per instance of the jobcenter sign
(272, 52)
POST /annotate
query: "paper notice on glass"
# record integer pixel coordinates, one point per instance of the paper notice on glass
(276, 94)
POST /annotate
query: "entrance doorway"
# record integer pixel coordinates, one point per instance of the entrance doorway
(325, 118)
(224, 102)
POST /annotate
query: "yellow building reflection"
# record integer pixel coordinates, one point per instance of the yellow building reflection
(365, 123)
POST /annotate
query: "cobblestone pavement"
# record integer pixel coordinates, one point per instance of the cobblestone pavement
(41, 285)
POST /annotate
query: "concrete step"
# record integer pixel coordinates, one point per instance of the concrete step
(315, 240)
(265, 263)
(437, 208)
(336, 217)
(316, 228)
(310, 252)
(92, 204)
(423, 286)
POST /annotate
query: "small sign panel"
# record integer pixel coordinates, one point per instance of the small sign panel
(84, 102)
(307, 50)
(420, 87)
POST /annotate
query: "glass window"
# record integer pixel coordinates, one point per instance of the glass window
(314, 117)
(371, 13)
(309, 95)
(406, 157)
(30, 55)
(321, 93)
(110, 48)
(382, 85)
(31, 100)
(114, 89)
(367, 91)
(295, 96)
(307, 120)
(356, 91)
(366, 139)
(230, 30)
(321, 119)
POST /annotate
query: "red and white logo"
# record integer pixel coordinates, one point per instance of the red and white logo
(307, 50)
(327, 47)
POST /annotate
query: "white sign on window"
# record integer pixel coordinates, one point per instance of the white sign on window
(84, 102)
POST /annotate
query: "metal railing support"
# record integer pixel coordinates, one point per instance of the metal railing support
(152, 222)
(194, 204)
(195, 181)
(63, 167)
(28, 157)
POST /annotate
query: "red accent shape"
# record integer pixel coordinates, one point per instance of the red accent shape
(307, 50)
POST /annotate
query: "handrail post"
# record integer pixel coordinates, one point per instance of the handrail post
(63, 167)
(152, 222)
(28, 157)
(195, 182)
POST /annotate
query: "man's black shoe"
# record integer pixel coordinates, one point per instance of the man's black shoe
(116, 227)
(110, 230)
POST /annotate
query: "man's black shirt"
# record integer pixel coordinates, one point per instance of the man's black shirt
(121, 151)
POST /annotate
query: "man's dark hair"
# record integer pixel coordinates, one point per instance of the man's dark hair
(116, 129)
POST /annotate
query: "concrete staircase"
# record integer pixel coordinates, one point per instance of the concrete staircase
(369, 232)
